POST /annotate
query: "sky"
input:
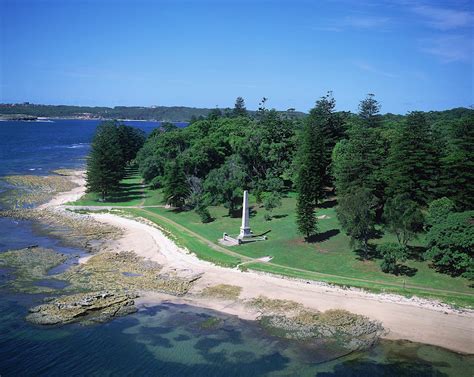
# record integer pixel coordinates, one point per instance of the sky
(413, 55)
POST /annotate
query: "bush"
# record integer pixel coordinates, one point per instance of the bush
(155, 183)
(438, 210)
(391, 254)
(204, 214)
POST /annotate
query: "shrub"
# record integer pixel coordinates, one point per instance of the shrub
(204, 214)
(391, 254)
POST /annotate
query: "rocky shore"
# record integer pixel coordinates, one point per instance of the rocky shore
(101, 288)
(84, 307)
(74, 229)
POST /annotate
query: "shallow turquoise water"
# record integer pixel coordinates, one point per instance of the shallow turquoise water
(172, 340)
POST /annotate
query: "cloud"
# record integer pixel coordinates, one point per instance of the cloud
(372, 69)
(444, 18)
(451, 48)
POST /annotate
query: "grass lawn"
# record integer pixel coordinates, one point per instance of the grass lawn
(133, 192)
(329, 258)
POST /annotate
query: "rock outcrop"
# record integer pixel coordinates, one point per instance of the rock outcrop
(84, 307)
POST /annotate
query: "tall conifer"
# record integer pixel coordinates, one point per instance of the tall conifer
(105, 164)
(411, 167)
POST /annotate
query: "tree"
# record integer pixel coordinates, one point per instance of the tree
(131, 140)
(357, 161)
(305, 217)
(356, 213)
(267, 149)
(215, 114)
(225, 185)
(203, 213)
(458, 165)
(451, 244)
(369, 111)
(239, 108)
(412, 167)
(271, 200)
(312, 162)
(438, 210)
(330, 124)
(403, 218)
(391, 254)
(106, 163)
(176, 186)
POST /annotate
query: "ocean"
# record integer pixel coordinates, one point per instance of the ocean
(162, 340)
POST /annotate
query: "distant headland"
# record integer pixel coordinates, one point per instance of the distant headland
(29, 111)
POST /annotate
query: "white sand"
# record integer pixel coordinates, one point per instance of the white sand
(78, 177)
(411, 319)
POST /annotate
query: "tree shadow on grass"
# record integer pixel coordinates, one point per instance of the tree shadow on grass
(371, 253)
(324, 236)
(416, 253)
(280, 216)
(330, 203)
(406, 271)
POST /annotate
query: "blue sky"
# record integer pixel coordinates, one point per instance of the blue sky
(414, 55)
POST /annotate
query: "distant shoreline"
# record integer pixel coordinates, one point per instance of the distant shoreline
(26, 118)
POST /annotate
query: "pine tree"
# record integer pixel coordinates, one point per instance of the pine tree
(176, 186)
(305, 217)
(105, 164)
(330, 124)
(312, 162)
(239, 108)
(458, 165)
(411, 167)
(369, 112)
(357, 162)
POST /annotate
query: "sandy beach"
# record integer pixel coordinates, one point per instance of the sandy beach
(414, 319)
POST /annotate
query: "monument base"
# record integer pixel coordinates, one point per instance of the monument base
(245, 233)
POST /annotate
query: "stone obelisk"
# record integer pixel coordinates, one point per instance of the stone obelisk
(245, 228)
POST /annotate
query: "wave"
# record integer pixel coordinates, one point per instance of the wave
(79, 145)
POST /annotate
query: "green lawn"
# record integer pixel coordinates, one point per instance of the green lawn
(330, 258)
(133, 192)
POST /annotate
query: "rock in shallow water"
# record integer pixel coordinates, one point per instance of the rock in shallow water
(85, 307)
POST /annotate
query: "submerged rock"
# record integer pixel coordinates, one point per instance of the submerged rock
(126, 271)
(29, 190)
(85, 307)
(74, 229)
(30, 265)
(333, 328)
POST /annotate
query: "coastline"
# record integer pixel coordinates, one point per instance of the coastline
(415, 320)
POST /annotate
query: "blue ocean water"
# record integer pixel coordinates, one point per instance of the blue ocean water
(163, 340)
(39, 147)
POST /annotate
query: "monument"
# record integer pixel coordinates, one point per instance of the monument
(245, 234)
(245, 228)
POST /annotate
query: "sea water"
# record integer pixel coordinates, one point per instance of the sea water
(161, 340)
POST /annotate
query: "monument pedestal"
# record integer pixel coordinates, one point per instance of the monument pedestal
(245, 233)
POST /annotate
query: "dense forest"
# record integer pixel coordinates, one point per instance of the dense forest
(404, 175)
(158, 113)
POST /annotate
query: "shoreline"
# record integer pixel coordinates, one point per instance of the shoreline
(416, 320)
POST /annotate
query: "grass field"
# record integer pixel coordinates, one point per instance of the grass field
(329, 258)
(132, 193)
